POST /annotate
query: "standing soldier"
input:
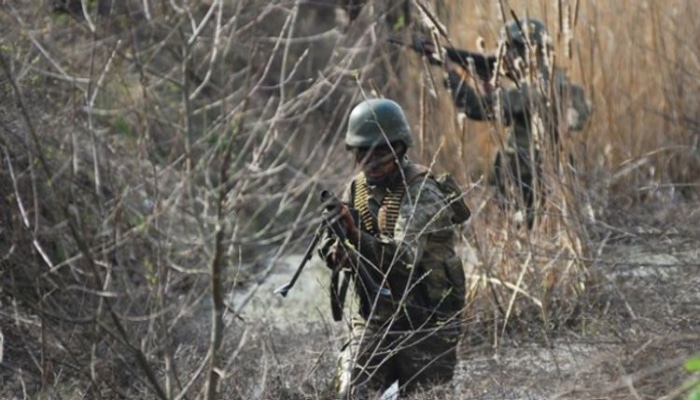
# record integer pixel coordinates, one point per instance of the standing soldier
(404, 241)
(532, 111)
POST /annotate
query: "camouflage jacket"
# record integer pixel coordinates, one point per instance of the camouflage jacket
(416, 260)
(526, 109)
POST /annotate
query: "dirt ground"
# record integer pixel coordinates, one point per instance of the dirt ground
(632, 345)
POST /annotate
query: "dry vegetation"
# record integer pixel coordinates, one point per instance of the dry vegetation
(158, 156)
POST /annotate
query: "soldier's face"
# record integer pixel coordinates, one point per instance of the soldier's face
(377, 163)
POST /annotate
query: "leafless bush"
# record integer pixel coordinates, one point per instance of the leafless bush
(177, 153)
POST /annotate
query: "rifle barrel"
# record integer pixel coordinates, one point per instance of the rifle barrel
(284, 289)
(484, 65)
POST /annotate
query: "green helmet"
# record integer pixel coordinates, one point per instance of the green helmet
(534, 29)
(377, 121)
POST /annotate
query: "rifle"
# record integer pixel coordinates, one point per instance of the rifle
(332, 206)
(481, 66)
(284, 289)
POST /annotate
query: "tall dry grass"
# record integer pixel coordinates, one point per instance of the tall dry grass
(638, 63)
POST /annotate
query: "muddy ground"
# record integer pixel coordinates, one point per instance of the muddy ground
(631, 346)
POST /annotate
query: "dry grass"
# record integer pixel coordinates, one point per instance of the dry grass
(638, 65)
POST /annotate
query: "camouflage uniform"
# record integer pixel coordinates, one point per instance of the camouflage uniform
(410, 335)
(528, 110)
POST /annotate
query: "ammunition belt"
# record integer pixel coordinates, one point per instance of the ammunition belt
(388, 214)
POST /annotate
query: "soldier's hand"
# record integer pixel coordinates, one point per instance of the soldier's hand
(340, 257)
(334, 254)
(348, 223)
(327, 251)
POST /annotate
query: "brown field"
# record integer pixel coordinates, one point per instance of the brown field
(161, 164)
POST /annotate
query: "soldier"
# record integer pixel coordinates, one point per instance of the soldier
(404, 241)
(530, 111)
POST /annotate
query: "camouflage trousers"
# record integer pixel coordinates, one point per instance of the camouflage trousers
(375, 357)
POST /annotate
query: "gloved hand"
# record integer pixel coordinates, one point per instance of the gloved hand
(333, 253)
